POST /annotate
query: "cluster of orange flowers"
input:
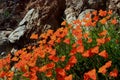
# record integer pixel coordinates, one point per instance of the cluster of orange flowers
(45, 58)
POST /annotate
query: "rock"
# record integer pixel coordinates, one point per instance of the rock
(115, 1)
(74, 6)
(97, 4)
(23, 26)
(5, 47)
(74, 3)
(17, 33)
(73, 9)
(4, 42)
(13, 50)
(114, 5)
(1, 11)
(118, 5)
(51, 12)
(70, 15)
(5, 33)
(27, 17)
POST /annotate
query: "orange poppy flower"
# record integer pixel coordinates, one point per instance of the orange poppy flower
(29, 47)
(77, 32)
(1, 64)
(78, 22)
(32, 63)
(15, 59)
(110, 12)
(34, 36)
(103, 21)
(49, 32)
(80, 49)
(85, 35)
(43, 36)
(8, 58)
(64, 23)
(90, 75)
(67, 41)
(103, 33)
(55, 59)
(95, 49)
(107, 17)
(52, 52)
(61, 72)
(104, 67)
(103, 54)
(114, 21)
(63, 33)
(50, 65)
(73, 51)
(10, 78)
(20, 64)
(93, 24)
(68, 77)
(102, 70)
(19, 52)
(62, 58)
(107, 39)
(43, 68)
(79, 42)
(2, 74)
(49, 74)
(41, 54)
(53, 37)
(74, 45)
(50, 57)
(73, 60)
(88, 15)
(95, 18)
(26, 74)
(88, 22)
(94, 12)
(102, 13)
(89, 40)
(100, 41)
(114, 73)
(58, 40)
(7, 66)
(33, 76)
(51, 42)
(86, 54)
(10, 74)
(67, 67)
(108, 64)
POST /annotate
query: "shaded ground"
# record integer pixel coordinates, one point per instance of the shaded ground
(11, 12)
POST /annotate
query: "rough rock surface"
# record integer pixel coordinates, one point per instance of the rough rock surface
(114, 5)
(46, 14)
(4, 42)
(23, 26)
